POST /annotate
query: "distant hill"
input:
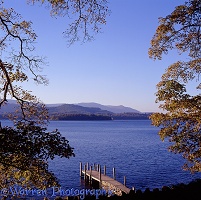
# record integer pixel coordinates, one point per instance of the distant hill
(83, 111)
(53, 109)
(76, 109)
(114, 109)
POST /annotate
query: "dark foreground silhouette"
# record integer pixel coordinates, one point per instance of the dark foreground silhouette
(191, 191)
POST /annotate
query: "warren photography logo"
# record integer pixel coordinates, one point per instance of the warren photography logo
(23, 192)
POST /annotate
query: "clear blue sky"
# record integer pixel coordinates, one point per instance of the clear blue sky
(114, 69)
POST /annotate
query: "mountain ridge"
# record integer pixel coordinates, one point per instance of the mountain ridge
(76, 109)
(111, 108)
(82, 111)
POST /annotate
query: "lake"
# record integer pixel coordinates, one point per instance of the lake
(133, 147)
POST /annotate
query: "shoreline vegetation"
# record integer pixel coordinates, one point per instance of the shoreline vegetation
(122, 116)
(181, 191)
(93, 117)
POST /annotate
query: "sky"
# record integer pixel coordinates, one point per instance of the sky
(113, 69)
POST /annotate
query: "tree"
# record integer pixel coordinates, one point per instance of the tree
(181, 121)
(26, 147)
(24, 152)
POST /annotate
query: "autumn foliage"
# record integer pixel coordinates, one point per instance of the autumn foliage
(180, 122)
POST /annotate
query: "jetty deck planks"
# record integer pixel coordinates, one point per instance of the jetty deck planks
(96, 176)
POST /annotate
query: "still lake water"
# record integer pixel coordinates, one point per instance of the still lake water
(133, 147)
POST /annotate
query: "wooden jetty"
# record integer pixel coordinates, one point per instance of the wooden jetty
(93, 174)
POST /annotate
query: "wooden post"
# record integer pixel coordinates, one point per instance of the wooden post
(98, 167)
(99, 172)
(80, 169)
(100, 182)
(81, 172)
(87, 166)
(125, 180)
(94, 166)
(90, 179)
(114, 174)
(104, 170)
(85, 172)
